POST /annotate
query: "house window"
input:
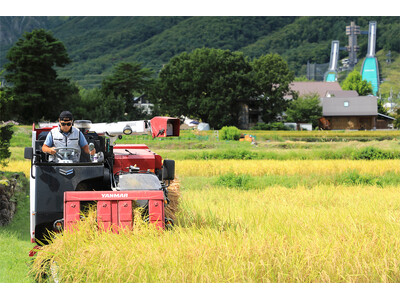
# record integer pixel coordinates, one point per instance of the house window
(346, 103)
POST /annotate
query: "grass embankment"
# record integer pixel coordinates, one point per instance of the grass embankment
(15, 240)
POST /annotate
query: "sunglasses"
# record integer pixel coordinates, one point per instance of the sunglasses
(66, 124)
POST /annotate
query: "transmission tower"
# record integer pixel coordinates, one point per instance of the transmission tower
(352, 31)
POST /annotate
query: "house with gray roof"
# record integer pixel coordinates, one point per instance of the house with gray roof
(341, 110)
(344, 110)
(352, 113)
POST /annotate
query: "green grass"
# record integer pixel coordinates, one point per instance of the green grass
(21, 136)
(390, 73)
(15, 241)
(288, 153)
(207, 146)
(248, 182)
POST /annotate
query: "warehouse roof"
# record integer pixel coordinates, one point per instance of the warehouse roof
(314, 87)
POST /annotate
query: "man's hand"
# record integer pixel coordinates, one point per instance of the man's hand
(50, 150)
(86, 150)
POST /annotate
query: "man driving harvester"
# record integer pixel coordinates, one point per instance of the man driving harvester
(66, 136)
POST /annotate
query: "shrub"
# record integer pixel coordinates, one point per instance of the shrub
(5, 137)
(353, 177)
(370, 153)
(234, 181)
(229, 133)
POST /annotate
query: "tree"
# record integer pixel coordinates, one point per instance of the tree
(354, 82)
(305, 109)
(37, 90)
(271, 78)
(5, 102)
(382, 109)
(208, 84)
(98, 107)
(6, 133)
(127, 80)
(396, 122)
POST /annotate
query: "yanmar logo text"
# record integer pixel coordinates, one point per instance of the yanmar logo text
(114, 195)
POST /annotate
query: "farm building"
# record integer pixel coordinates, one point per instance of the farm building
(341, 109)
(250, 116)
(344, 109)
(352, 113)
(143, 104)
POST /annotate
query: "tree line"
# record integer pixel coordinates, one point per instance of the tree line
(207, 84)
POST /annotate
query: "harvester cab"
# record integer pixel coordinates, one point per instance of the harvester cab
(117, 178)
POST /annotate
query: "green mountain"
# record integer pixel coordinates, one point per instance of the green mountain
(96, 44)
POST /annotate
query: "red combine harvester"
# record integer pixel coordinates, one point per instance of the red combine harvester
(116, 179)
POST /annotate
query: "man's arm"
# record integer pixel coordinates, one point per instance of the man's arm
(48, 143)
(48, 149)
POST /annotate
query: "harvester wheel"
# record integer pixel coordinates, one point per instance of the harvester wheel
(169, 224)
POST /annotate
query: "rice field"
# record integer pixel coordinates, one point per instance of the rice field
(17, 166)
(249, 221)
(286, 167)
(326, 234)
(224, 234)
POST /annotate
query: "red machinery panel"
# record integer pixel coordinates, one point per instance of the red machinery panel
(130, 155)
(114, 208)
(131, 146)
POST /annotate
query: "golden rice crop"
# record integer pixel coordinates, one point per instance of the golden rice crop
(323, 234)
(18, 166)
(260, 167)
(284, 167)
(304, 134)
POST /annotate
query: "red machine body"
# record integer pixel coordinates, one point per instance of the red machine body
(139, 155)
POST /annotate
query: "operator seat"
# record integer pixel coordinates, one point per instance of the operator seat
(39, 144)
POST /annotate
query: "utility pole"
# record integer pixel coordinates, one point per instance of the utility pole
(389, 58)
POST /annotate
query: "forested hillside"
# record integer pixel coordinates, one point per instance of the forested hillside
(96, 44)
